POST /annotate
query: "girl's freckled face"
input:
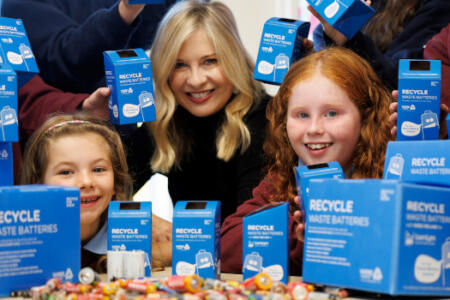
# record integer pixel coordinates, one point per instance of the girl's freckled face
(323, 124)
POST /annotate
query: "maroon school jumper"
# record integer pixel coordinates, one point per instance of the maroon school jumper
(231, 233)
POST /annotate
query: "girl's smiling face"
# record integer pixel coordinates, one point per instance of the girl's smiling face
(83, 161)
(322, 124)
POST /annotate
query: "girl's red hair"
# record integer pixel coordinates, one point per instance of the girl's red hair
(356, 77)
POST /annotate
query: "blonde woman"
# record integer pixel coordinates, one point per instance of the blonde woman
(210, 112)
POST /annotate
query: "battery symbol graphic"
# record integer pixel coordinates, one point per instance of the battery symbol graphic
(281, 63)
(8, 118)
(429, 124)
(253, 262)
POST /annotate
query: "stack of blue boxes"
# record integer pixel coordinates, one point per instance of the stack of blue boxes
(17, 66)
(36, 221)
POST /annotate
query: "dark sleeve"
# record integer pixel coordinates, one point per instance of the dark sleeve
(231, 233)
(429, 19)
(139, 148)
(36, 100)
(295, 249)
(149, 20)
(385, 67)
(251, 162)
(438, 48)
(68, 51)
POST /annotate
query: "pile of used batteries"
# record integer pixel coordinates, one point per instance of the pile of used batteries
(191, 287)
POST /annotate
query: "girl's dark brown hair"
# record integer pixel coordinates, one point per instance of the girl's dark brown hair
(36, 151)
(356, 77)
(390, 21)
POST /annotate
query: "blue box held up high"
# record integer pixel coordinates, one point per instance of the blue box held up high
(280, 46)
(39, 235)
(346, 16)
(419, 99)
(6, 164)
(130, 228)
(196, 238)
(425, 162)
(16, 50)
(129, 76)
(8, 105)
(266, 242)
(378, 235)
(303, 174)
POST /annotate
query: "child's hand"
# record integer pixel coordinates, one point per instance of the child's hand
(308, 45)
(338, 38)
(161, 230)
(393, 108)
(97, 103)
(161, 243)
(300, 228)
(129, 12)
(443, 130)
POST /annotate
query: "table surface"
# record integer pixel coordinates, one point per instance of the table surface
(225, 276)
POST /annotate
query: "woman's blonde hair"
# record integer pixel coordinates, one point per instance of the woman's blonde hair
(356, 77)
(218, 23)
(36, 151)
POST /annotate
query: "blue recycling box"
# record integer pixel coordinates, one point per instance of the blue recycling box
(6, 164)
(130, 228)
(8, 105)
(196, 238)
(129, 76)
(419, 99)
(303, 174)
(346, 16)
(39, 235)
(378, 235)
(16, 50)
(266, 242)
(280, 46)
(425, 162)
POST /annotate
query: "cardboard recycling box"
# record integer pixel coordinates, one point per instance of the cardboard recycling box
(196, 238)
(129, 76)
(280, 46)
(16, 50)
(266, 242)
(346, 16)
(426, 162)
(378, 235)
(39, 235)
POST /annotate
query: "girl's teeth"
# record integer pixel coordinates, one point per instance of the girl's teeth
(87, 200)
(317, 146)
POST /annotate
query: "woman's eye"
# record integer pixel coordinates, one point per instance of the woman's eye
(302, 115)
(332, 113)
(179, 65)
(210, 61)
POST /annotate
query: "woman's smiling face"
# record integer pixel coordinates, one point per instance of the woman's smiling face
(198, 81)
